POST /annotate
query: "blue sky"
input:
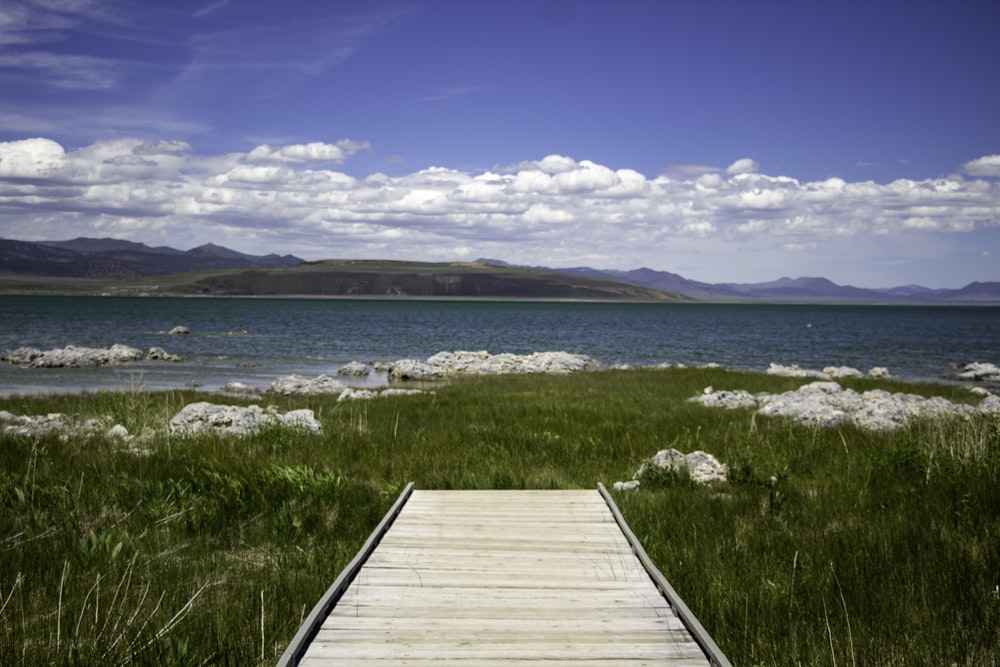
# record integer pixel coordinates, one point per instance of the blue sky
(725, 141)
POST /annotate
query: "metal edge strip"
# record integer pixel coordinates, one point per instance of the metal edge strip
(714, 654)
(295, 650)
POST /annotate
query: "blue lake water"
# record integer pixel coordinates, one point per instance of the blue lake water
(256, 340)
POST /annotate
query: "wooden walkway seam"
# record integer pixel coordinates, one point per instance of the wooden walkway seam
(502, 577)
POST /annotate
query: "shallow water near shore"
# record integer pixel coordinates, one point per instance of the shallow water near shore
(255, 340)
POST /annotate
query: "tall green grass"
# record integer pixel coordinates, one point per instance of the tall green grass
(826, 547)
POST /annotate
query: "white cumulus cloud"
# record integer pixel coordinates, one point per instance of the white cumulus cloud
(554, 210)
(743, 166)
(30, 158)
(988, 165)
(312, 152)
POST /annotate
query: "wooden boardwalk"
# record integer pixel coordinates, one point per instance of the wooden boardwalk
(501, 577)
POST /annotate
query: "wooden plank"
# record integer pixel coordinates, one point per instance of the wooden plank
(467, 661)
(548, 649)
(499, 577)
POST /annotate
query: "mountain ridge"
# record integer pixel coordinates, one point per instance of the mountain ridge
(124, 268)
(117, 259)
(108, 259)
(804, 289)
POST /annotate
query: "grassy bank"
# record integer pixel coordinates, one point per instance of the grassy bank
(827, 547)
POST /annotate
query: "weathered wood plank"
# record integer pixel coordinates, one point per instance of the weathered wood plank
(533, 661)
(513, 650)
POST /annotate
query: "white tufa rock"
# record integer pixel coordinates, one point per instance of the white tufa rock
(794, 371)
(239, 388)
(828, 373)
(484, 363)
(978, 372)
(297, 384)
(73, 356)
(33, 426)
(354, 394)
(413, 369)
(159, 354)
(990, 405)
(702, 467)
(731, 400)
(354, 369)
(825, 404)
(235, 420)
(630, 485)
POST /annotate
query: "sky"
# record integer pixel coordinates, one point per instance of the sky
(726, 141)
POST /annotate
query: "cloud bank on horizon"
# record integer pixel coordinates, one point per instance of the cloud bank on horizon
(309, 132)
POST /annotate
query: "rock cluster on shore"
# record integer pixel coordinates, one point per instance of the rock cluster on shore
(73, 356)
(65, 426)
(701, 467)
(828, 373)
(354, 394)
(826, 403)
(461, 362)
(193, 419)
(237, 420)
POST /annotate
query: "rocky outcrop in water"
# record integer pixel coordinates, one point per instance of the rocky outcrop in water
(299, 384)
(824, 404)
(238, 421)
(159, 354)
(73, 356)
(977, 372)
(354, 369)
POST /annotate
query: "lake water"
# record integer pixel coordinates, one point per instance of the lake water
(256, 340)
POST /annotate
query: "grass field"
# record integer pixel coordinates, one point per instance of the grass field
(825, 547)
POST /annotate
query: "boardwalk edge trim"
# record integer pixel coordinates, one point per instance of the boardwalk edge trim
(687, 617)
(310, 628)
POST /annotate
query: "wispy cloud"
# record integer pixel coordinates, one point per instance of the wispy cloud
(61, 71)
(167, 66)
(449, 93)
(102, 121)
(276, 55)
(211, 8)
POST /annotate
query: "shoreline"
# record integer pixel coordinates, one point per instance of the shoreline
(389, 298)
(165, 376)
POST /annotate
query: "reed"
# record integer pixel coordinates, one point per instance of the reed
(825, 547)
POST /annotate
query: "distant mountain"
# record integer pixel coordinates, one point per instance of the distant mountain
(58, 265)
(798, 290)
(115, 259)
(106, 245)
(976, 292)
(662, 280)
(790, 288)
